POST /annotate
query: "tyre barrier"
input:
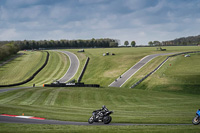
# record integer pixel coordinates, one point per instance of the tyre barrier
(160, 66)
(71, 85)
(32, 77)
(83, 71)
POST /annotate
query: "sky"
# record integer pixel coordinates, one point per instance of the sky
(127, 20)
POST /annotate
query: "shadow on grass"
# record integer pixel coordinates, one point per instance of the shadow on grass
(177, 88)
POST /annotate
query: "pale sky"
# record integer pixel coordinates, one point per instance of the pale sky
(138, 20)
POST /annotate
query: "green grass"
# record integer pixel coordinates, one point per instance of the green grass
(24, 66)
(150, 66)
(104, 70)
(21, 68)
(29, 128)
(57, 66)
(76, 104)
(182, 76)
(82, 58)
(156, 100)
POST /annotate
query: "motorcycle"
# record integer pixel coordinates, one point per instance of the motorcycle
(99, 116)
(196, 119)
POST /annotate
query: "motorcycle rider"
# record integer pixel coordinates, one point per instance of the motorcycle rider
(101, 111)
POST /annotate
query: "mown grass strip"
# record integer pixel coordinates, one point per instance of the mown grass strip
(33, 97)
(25, 75)
(14, 96)
(57, 66)
(50, 100)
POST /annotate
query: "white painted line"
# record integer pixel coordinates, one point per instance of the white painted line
(69, 66)
(160, 66)
(129, 69)
(70, 63)
(137, 71)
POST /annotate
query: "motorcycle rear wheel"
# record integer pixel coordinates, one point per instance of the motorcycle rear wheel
(107, 119)
(196, 120)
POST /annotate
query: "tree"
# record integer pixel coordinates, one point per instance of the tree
(133, 43)
(126, 43)
(150, 43)
(156, 43)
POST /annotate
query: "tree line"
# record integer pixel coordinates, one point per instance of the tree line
(7, 50)
(183, 41)
(49, 44)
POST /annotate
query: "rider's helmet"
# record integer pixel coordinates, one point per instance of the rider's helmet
(103, 106)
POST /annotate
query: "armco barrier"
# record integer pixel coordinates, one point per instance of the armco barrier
(159, 67)
(83, 71)
(32, 77)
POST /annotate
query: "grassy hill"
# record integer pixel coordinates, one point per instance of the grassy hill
(77, 104)
(156, 100)
(104, 70)
(55, 69)
(182, 76)
(21, 68)
(24, 66)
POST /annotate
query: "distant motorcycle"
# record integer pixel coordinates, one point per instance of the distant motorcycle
(101, 116)
(196, 119)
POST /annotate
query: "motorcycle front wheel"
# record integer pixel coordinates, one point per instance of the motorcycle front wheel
(196, 120)
(107, 119)
(91, 120)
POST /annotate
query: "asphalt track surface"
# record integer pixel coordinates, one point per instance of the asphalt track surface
(7, 119)
(10, 89)
(128, 74)
(74, 65)
(70, 73)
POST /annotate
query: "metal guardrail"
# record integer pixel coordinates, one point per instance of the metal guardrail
(160, 66)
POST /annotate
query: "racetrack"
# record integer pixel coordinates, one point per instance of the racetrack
(128, 74)
(74, 65)
(7, 119)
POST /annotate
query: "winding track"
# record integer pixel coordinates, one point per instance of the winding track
(74, 65)
(128, 74)
(70, 73)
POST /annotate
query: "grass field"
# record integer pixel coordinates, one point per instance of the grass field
(104, 70)
(182, 76)
(77, 104)
(56, 67)
(21, 68)
(24, 66)
(28, 128)
(82, 58)
(168, 96)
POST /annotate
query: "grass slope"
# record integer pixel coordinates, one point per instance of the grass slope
(182, 76)
(76, 104)
(29, 128)
(55, 69)
(21, 68)
(104, 70)
(82, 59)
(24, 66)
